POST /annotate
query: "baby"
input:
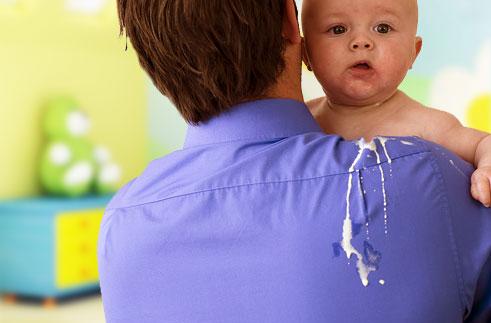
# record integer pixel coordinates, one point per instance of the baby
(360, 52)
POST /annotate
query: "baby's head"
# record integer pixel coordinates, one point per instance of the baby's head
(360, 50)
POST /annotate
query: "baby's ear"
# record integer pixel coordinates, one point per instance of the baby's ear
(305, 56)
(418, 45)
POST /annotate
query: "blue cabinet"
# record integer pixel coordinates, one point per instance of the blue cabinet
(48, 246)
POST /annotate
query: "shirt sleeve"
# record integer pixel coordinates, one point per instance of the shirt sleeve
(469, 226)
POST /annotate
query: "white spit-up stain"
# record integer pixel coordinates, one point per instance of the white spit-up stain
(349, 249)
(407, 143)
(364, 270)
(381, 282)
(362, 192)
(458, 169)
(383, 141)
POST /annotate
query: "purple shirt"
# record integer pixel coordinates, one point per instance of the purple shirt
(255, 218)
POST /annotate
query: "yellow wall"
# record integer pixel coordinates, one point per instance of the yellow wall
(46, 50)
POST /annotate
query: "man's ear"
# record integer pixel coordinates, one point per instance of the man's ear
(305, 55)
(291, 30)
(418, 45)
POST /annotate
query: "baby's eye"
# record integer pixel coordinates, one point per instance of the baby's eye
(383, 28)
(337, 30)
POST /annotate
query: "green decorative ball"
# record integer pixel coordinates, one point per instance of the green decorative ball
(67, 167)
(108, 175)
(63, 118)
(70, 166)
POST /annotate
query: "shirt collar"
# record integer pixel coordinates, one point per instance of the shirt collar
(264, 119)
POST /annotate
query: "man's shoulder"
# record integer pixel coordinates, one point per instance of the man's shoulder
(161, 174)
(296, 158)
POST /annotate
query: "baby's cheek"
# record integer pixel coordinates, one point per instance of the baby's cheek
(327, 64)
(323, 51)
(325, 76)
(395, 68)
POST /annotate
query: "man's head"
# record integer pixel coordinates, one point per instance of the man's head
(360, 50)
(207, 55)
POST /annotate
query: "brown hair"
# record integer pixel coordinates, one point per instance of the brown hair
(207, 55)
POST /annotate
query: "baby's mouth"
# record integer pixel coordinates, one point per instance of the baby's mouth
(362, 66)
(362, 69)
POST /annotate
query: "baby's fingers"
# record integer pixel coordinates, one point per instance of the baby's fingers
(480, 189)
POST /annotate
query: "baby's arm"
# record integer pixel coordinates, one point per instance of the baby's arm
(472, 145)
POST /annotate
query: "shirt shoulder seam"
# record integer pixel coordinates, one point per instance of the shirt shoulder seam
(257, 183)
(271, 137)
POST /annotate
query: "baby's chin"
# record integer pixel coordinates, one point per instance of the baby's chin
(358, 97)
(361, 93)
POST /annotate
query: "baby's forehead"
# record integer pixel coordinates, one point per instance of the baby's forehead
(403, 8)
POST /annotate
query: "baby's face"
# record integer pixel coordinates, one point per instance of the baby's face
(360, 50)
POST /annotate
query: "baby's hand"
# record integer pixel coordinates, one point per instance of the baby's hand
(480, 185)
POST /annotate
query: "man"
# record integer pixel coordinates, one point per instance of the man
(262, 217)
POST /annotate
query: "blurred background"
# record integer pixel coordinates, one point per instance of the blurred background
(80, 118)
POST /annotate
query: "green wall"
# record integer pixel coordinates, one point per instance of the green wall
(47, 50)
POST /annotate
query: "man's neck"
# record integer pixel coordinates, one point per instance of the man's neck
(286, 91)
(289, 83)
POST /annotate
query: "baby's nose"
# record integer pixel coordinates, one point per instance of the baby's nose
(358, 44)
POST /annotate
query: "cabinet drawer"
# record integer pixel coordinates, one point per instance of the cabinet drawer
(76, 236)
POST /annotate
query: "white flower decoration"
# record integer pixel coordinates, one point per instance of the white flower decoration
(85, 6)
(78, 124)
(8, 2)
(60, 154)
(110, 173)
(79, 174)
(102, 155)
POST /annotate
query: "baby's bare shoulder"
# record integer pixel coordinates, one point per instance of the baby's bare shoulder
(430, 118)
(423, 121)
(439, 126)
(438, 120)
